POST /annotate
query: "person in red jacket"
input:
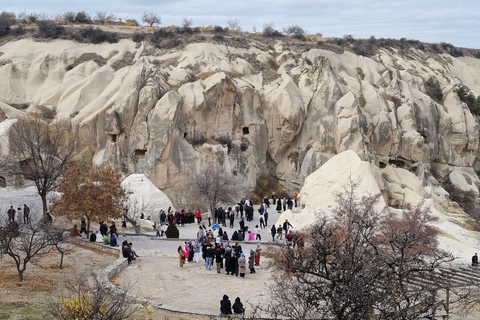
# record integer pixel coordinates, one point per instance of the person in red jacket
(198, 216)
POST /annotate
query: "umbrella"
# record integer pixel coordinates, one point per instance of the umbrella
(215, 226)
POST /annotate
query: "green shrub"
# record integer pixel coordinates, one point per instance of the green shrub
(466, 96)
(172, 231)
(432, 86)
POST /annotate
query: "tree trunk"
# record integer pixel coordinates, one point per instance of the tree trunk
(61, 259)
(134, 224)
(88, 227)
(43, 195)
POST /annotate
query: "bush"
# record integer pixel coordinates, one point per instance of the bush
(269, 31)
(83, 17)
(466, 96)
(7, 19)
(131, 23)
(218, 30)
(138, 37)
(18, 31)
(172, 231)
(164, 39)
(95, 35)
(295, 31)
(69, 16)
(49, 29)
(432, 86)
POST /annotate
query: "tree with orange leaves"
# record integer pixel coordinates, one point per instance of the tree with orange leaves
(91, 192)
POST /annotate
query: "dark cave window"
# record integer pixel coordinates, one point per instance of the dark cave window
(246, 130)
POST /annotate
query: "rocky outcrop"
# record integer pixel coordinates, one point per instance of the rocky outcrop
(397, 188)
(170, 113)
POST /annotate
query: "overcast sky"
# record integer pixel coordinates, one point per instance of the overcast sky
(453, 21)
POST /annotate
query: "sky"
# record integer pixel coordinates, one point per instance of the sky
(452, 21)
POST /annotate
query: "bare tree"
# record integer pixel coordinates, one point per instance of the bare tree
(103, 17)
(234, 24)
(86, 301)
(151, 18)
(55, 232)
(186, 24)
(295, 31)
(359, 261)
(24, 244)
(410, 251)
(214, 186)
(134, 207)
(40, 152)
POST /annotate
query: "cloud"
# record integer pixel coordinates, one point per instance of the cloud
(455, 22)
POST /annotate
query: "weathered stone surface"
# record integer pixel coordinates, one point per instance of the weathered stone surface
(169, 114)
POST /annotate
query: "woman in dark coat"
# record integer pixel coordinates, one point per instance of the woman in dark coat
(238, 306)
(219, 253)
(225, 305)
(251, 261)
(228, 258)
(279, 205)
(273, 231)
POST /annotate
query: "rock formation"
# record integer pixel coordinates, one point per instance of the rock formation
(280, 111)
(398, 188)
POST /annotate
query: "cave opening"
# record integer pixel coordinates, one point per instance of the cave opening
(113, 138)
(140, 153)
(382, 165)
(246, 130)
(3, 182)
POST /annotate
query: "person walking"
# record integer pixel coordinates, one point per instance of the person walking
(103, 229)
(284, 202)
(83, 226)
(258, 236)
(113, 230)
(262, 220)
(279, 205)
(181, 256)
(295, 197)
(198, 216)
(232, 219)
(279, 232)
(265, 215)
(273, 232)
(286, 226)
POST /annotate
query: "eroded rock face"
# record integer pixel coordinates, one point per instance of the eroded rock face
(168, 114)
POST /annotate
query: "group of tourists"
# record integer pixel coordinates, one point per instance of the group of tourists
(226, 256)
(285, 204)
(11, 213)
